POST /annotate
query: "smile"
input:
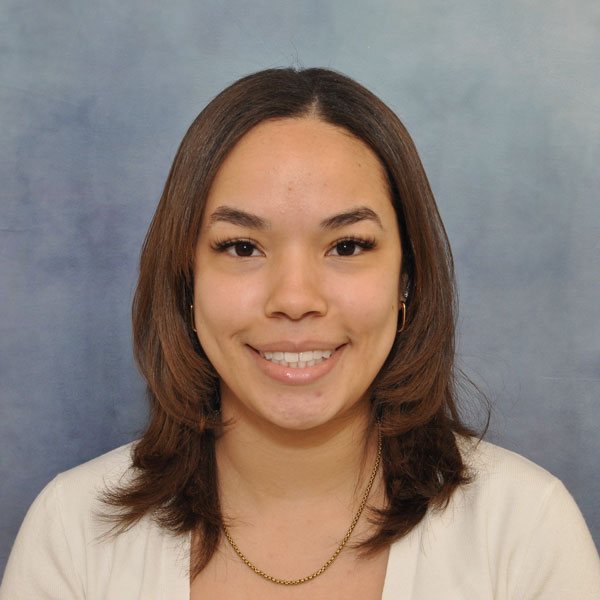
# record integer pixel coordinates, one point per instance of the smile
(298, 360)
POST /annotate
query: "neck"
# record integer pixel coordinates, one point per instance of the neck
(261, 464)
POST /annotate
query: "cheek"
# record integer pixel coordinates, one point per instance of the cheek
(216, 313)
(374, 303)
(375, 315)
(223, 303)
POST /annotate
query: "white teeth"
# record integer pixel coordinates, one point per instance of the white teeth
(298, 360)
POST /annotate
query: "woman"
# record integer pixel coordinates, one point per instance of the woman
(294, 320)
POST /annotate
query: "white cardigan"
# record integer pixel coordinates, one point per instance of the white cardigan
(514, 533)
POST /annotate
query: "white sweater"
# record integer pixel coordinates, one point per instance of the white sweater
(514, 533)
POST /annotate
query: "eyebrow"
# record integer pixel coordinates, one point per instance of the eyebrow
(349, 217)
(236, 216)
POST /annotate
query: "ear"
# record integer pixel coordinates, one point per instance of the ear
(403, 288)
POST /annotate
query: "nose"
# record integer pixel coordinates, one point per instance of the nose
(295, 289)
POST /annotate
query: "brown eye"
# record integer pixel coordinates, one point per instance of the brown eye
(243, 248)
(351, 246)
(237, 248)
(346, 247)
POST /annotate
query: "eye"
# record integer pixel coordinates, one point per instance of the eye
(351, 247)
(241, 248)
(346, 248)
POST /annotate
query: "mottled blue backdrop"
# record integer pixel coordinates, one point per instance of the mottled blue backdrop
(502, 99)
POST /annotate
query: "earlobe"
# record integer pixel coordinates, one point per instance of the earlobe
(404, 288)
(403, 293)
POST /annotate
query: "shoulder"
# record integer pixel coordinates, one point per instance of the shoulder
(91, 478)
(76, 494)
(499, 481)
(493, 467)
(60, 529)
(516, 523)
(514, 531)
(65, 542)
(507, 494)
(74, 497)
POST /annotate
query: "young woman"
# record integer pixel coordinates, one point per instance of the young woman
(294, 321)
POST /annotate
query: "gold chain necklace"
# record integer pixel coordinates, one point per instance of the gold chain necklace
(320, 571)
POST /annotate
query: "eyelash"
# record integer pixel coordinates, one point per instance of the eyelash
(365, 244)
(224, 245)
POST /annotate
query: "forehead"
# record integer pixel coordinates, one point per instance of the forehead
(298, 167)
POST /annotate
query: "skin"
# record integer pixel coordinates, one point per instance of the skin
(295, 290)
(274, 270)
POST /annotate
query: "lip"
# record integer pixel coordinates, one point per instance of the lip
(290, 375)
(303, 346)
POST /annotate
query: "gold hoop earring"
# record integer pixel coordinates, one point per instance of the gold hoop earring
(192, 319)
(403, 319)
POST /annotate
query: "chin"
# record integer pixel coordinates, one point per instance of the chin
(295, 417)
(300, 422)
(305, 414)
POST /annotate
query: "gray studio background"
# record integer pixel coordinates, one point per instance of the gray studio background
(502, 99)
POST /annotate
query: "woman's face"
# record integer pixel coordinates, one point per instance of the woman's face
(296, 274)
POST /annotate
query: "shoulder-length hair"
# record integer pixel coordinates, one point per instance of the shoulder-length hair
(412, 397)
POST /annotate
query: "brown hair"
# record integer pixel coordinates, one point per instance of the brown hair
(413, 396)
